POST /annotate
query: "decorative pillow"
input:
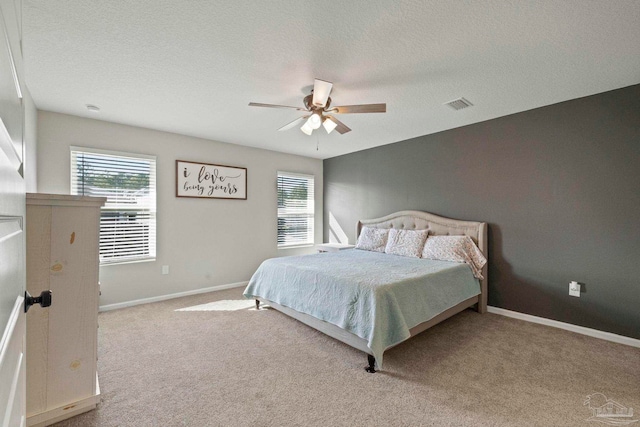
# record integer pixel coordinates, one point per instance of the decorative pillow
(372, 239)
(456, 249)
(406, 242)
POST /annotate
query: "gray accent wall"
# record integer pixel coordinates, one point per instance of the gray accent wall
(559, 187)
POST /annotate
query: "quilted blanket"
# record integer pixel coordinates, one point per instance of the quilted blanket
(376, 296)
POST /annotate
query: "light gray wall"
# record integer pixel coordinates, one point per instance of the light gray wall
(559, 187)
(205, 242)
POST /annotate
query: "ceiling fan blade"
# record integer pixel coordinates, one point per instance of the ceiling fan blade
(321, 91)
(293, 123)
(341, 128)
(257, 104)
(362, 108)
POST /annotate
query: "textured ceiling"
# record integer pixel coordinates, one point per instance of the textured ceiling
(191, 67)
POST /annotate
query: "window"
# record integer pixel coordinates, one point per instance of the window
(128, 218)
(295, 209)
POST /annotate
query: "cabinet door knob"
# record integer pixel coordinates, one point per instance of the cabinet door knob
(44, 300)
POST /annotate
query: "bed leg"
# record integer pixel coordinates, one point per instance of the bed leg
(257, 304)
(372, 364)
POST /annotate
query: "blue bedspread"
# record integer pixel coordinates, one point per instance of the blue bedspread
(375, 296)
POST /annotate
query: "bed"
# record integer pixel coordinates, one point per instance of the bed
(370, 300)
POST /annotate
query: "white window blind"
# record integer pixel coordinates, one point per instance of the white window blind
(128, 219)
(295, 209)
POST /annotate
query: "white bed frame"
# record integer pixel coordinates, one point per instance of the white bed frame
(412, 220)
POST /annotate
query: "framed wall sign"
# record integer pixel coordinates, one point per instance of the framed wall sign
(209, 181)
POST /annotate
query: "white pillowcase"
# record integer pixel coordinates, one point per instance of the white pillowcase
(406, 242)
(456, 249)
(372, 239)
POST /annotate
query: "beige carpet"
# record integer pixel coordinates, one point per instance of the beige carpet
(161, 367)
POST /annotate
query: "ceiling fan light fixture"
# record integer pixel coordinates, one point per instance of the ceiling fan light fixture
(314, 121)
(321, 91)
(318, 110)
(306, 128)
(329, 125)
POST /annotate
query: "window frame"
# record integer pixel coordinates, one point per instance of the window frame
(309, 210)
(149, 211)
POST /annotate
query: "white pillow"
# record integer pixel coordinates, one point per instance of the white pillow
(372, 239)
(456, 249)
(406, 242)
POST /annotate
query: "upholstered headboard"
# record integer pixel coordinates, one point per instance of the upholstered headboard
(438, 226)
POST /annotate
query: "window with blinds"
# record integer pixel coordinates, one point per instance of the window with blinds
(128, 218)
(295, 209)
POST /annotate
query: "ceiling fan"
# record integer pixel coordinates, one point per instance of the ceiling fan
(318, 107)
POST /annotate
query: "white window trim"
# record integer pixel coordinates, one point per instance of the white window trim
(153, 210)
(313, 214)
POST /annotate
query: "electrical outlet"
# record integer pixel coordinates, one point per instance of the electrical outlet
(165, 269)
(574, 289)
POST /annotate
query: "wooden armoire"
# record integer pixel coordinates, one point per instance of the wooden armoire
(62, 234)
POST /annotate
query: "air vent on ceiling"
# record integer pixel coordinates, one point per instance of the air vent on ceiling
(458, 104)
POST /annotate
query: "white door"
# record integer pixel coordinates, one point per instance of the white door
(12, 213)
(12, 317)
(12, 286)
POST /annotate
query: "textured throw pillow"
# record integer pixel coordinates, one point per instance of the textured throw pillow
(406, 242)
(372, 239)
(456, 249)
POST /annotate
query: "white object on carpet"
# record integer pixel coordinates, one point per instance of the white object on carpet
(223, 305)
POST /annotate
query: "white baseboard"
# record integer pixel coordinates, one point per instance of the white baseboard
(170, 296)
(620, 339)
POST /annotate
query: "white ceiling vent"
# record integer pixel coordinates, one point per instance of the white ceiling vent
(458, 104)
